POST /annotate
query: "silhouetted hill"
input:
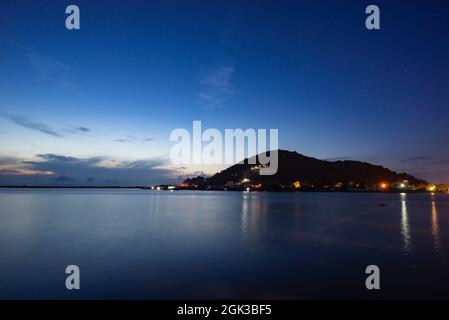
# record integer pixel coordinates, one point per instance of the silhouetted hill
(310, 171)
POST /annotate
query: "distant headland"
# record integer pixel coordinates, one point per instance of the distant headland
(301, 173)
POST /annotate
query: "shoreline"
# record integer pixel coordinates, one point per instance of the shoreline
(232, 190)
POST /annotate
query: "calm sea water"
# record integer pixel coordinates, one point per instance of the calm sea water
(165, 245)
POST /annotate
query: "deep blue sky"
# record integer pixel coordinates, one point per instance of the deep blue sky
(97, 105)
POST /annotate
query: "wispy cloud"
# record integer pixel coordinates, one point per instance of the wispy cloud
(74, 129)
(339, 158)
(82, 129)
(49, 69)
(127, 139)
(31, 124)
(7, 160)
(431, 161)
(64, 179)
(217, 87)
(132, 139)
(58, 158)
(418, 159)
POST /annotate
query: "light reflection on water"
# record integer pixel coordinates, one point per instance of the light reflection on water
(150, 244)
(405, 228)
(252, 221)
(437, 242)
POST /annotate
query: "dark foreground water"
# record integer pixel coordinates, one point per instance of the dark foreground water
(158, 245)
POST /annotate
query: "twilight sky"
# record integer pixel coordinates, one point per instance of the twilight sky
(96, 106)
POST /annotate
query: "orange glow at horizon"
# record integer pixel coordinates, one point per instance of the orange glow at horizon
(27, 172)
